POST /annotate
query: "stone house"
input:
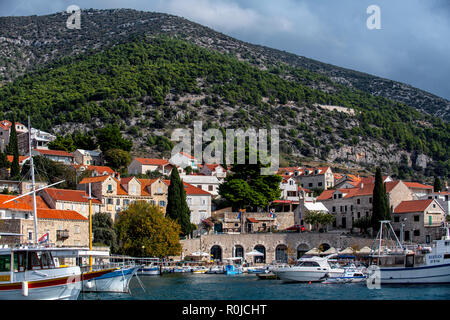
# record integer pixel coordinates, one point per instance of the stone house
(422, 220)
(419, 189)
(145, 165)
(88, 157)
(5, 130)
(55, 155)
(315, 178)
(75, 200)
(213, 170)
(183, 160)
(65, 227)
(441, 197)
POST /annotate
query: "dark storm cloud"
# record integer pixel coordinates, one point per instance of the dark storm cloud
(412, 45)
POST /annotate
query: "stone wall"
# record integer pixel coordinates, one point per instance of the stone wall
(270, 241)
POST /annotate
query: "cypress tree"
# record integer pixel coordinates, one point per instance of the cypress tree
(14, 149)
(380, 205)
(437, 186)
(177, 207)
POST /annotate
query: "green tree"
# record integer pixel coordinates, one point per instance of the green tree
(110, 137)
(380, 204)
(143, 231)
(177, 207)
(437, 185)
(103, 230)
(13, 148)
(246, 187)
(117, 159)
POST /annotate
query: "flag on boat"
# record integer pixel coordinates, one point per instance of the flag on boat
(272, 215)
(44, 238)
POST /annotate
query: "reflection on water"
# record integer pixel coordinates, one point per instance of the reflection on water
(179, 286)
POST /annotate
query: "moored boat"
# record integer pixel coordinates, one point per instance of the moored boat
(34, 273)
(400, 265)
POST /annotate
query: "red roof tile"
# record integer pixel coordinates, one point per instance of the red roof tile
(94, 179)
(416, 185)
(413, 206)
(59, 214)
(21, 159)
(190, 189)
(58, 153)
(24, 203)
(154, 162)
(69, 195)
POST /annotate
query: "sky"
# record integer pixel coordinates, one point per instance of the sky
(411, 45)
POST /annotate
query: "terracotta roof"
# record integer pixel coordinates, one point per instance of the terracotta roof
(187, 155)
(252, 220)
(417, 185)
(155, 162)
(24, 203)
(59, 214)
(21, 159)
(58, 153)
(69, 195)
(412, 206)
(99, 169)
(6, 124)
(190, 189)
(94, 179)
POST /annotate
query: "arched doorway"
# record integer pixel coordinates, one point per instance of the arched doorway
(302, 249)
(238, 251)
(262, 249)
(324, 247)
(216, 253)
(281, 253)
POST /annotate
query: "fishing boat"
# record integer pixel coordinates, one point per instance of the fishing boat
(200, 269)
(112, 276)
(150, 266)
(234, 266)
(216, 270)
(398, 264)
(309, 269)
(256, 270)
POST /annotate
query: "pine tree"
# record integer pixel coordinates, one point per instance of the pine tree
(437, 185)
(177, 207)
(380, 205)
(14, 149)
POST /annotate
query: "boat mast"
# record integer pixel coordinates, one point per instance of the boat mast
(33, 186)
(90, 226)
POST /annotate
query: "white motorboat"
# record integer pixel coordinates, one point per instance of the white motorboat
(309, 269)
(34, 273)
(115, 281)
(399, 265)
(200, 269)
(216, 270)
(150, 266)
(352, 274)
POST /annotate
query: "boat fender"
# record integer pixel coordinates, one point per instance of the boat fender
(89, 284)
(25, 288)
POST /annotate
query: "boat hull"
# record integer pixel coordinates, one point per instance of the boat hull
(149, 271)
(416, 275)
(64, 287)
(300, 275)
(116, 281)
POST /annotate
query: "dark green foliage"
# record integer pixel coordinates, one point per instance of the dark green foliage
(110, 137)
(103, 231)
(437, 185)
(177, 208)
(117, 159)
(380, 204)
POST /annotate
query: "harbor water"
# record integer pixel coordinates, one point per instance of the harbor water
(189, 286)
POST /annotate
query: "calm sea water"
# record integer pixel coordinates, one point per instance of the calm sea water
(248, 287)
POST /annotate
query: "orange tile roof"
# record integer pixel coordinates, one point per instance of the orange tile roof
(187, 155)
(21, 159)
(150, 161)
(412, 206)
(94, 179)
(190, 189)
(59, 214)
(58, 153)
(24, 203)
(417, 185)
(99, 169)
(69, 195)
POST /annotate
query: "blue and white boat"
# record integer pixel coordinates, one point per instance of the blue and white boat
(150, 266)
(398, 265)
(352, 274)
(234, 266)
(116, 281)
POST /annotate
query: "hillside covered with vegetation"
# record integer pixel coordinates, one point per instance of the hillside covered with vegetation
(150, 85)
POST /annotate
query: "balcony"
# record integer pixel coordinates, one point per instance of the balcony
(62, 235)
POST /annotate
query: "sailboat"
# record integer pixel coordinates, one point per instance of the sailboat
(400, 265)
